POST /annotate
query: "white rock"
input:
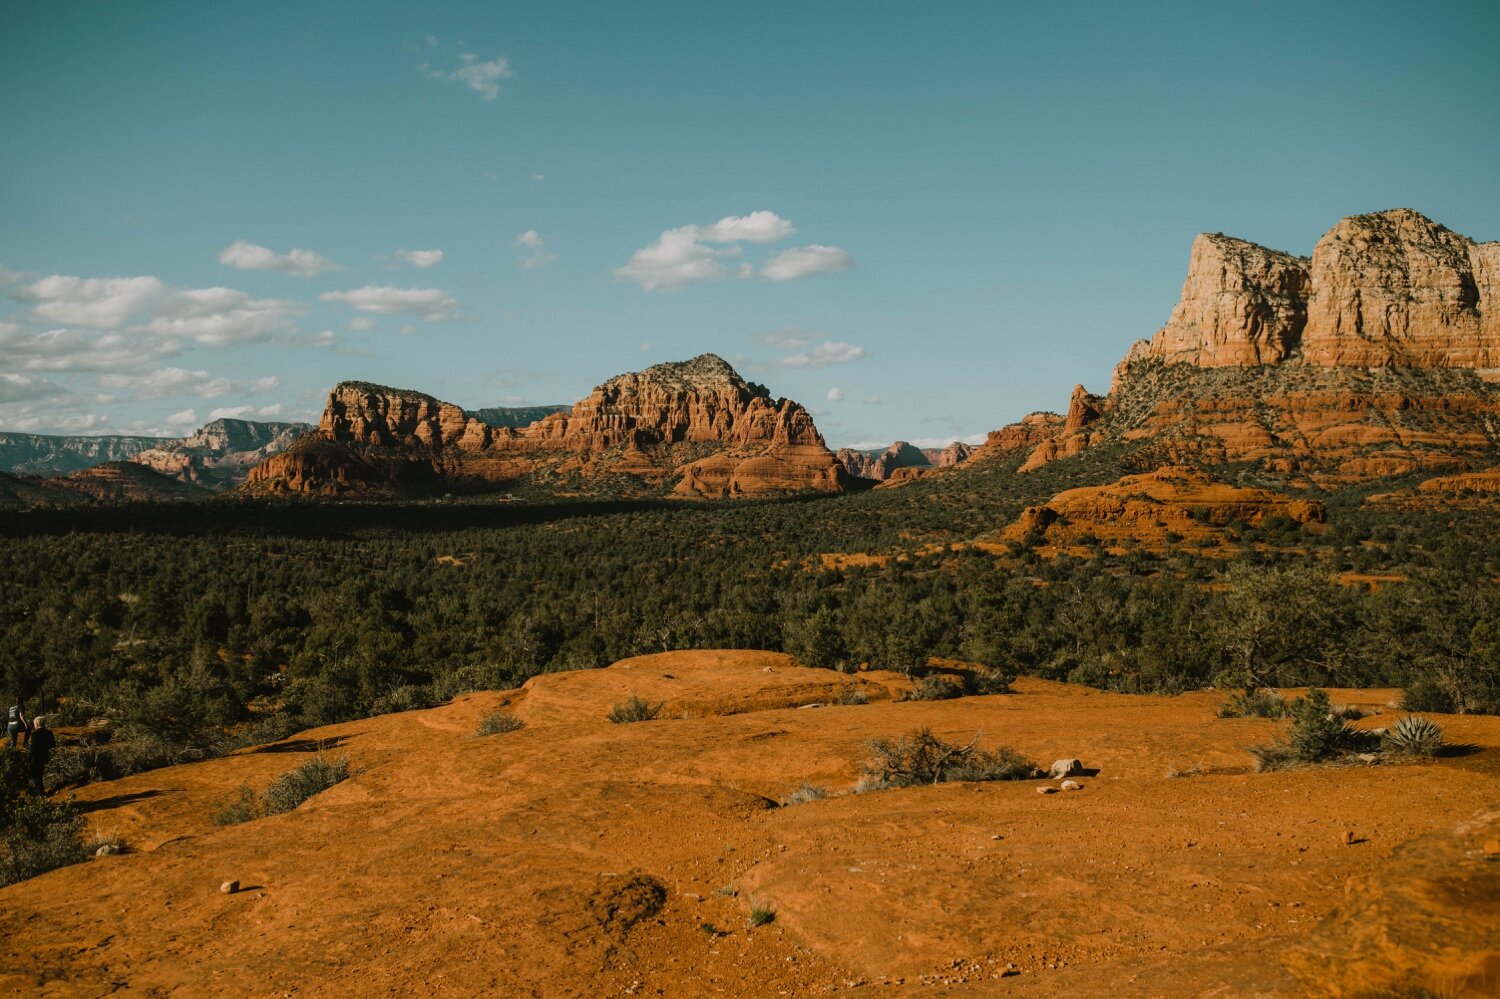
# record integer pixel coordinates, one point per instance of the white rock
(1066, 768)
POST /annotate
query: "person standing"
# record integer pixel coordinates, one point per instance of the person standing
(16, 724)
(39, 751)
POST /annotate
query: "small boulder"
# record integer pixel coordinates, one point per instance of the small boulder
(1066, 768)
(229, 887)
(107, 850)
(1046, 789)
(1071, 785)
(1492, 847)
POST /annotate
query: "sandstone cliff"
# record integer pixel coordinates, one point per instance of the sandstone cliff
(1367, 360)
(220, 453)
(694, 426)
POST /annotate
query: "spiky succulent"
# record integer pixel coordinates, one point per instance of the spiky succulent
(1413, 735)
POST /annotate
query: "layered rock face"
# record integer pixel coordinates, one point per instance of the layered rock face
(1241, 304)
(696, 421)
(1396, 289)
(221, 453)
(46, 454)
(1366, 360)
(880, 467)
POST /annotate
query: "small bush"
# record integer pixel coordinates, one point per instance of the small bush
(1255, 704)
(296, 786)
(851, 694)
(40, 836)
(636, 709)
(498, 722)
(242, 809)
(761, 914)
(101, 838)
(1318, 734)
(271, 728)
(804, 794)
(980, 682)
(402, 697)
(923, 758)
(1426, 694)
(1413, 736)
(934, 688)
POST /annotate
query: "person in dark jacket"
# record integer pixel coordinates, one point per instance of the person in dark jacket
(39, 751)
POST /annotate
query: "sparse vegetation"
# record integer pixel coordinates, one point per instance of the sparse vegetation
(300, 783)
(242, 808)
(923, 758)
(934, 688)
(1254, 704)
(1318, 734)
(498, 722)
(637, 709)
(850, 693)
(761, 914)
(1413, 735)
(804, 794)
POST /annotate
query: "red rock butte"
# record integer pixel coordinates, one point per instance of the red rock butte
(694, 428)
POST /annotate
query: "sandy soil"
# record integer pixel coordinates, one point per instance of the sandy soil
(528, 863)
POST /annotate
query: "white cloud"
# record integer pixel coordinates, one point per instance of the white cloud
(98, 303)
(429, 303)
(69, 350)
(165, 382)
(432, 41)
(757, 227)
(184, 418)
(481, 76)
(26, 420)
(536, 250)
(826, 353)
(801, 261)
(296, 262)
(647, 347)
(326, 338)
(361, 324)
(538, 177)
(265, 384)
(677, 259)
(420, 258)
(24, 388)
(835, 394)
(221, 317)
(245, 412)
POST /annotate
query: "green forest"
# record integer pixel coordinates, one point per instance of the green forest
(192, 624)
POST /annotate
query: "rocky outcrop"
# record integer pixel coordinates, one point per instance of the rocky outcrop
(1168, 504)
(110, 482)
(220, 453)
(880, 466)
(954, 454)
(1241, 304)
(1367, 360)
(694, 427)
(1395, 289)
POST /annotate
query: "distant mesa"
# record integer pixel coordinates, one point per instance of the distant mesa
(110, 482)
(688, 429)
(218, 455)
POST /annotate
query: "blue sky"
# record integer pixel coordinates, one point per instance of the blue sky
(920, 220)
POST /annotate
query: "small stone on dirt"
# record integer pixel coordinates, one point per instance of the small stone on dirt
(108, 849)
(1066, 768)
(1492, 847)
(229, 887)
(1071, 785)
(1046, 789)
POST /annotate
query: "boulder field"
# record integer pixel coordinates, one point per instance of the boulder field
(576, 857)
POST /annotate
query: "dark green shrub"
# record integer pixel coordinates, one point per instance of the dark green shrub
(1413, 736)
(40, 835)
(1424, 693)
(850, 693)
(636, 709)
(761, 914)
(498, 722)
(980, 682)
(244, 807)
(1255, 704)
(934, 688)
(297, 785)
(804, 794)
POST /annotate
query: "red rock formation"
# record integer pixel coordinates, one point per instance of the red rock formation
(1148, 507)
(880, 467)
(654, 424)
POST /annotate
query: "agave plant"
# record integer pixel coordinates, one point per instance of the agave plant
(1413, 735)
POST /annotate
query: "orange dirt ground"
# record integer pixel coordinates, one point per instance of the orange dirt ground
(451, 866)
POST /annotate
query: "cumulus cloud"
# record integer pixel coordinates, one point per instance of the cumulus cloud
(535, 248)
(265, 384)
(420, 258)
(247, 256)
(165, 382)
(60, 350)
(97, 303)
(221, 317)
(184, 418)
(802, 261)
(27, 420)
(757, 227)
(692, 254)
(25, 388)
(835, 394)
(826, 353)
(481, 76)
(429, 303)
(361, 324)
